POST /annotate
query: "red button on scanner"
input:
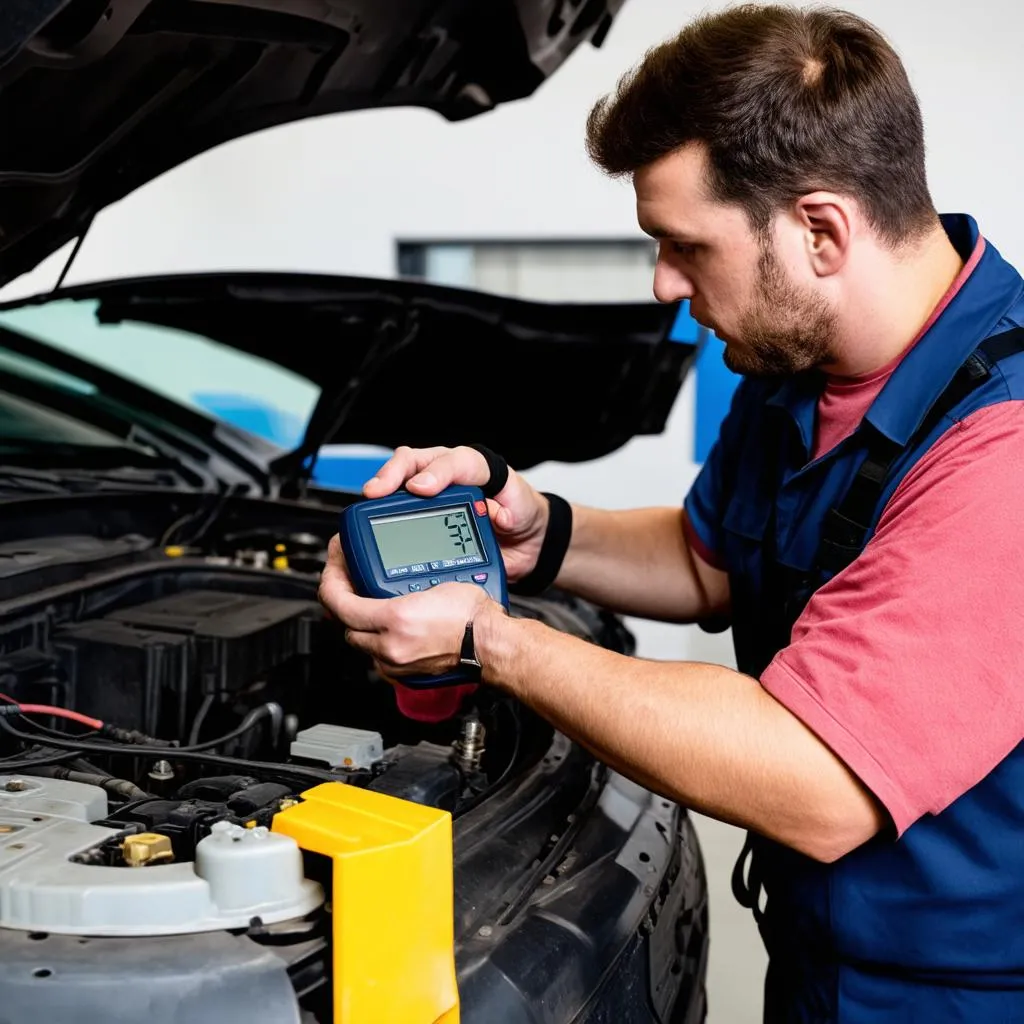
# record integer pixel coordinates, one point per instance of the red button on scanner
(480, 507)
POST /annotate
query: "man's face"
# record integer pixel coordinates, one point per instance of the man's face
(762, 302)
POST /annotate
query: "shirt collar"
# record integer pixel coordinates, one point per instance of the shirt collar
(969, 318)
(798, 395)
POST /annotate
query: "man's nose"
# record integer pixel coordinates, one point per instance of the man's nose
(670, 284)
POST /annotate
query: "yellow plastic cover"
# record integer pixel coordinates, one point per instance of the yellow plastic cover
(392, 902)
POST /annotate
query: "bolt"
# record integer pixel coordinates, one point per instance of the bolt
(485, 932)
(161, 771)
(468, 749)
(16, 785)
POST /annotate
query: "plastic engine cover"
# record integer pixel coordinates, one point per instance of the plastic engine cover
(238, 874)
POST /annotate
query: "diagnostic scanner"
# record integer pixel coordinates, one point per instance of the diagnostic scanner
(405, 544)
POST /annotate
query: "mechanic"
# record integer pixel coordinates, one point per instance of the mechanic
(859, 522)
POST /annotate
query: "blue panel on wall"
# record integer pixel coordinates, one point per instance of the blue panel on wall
(685, 327)
(715, 383)
(715, 386)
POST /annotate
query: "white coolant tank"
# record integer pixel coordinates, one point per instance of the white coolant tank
(250, 869)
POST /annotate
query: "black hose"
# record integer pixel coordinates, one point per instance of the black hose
(133, 740)
(174, 753)
(7, 767)
(45, 730)
(251, 720)
(197, 722)
(118, 787)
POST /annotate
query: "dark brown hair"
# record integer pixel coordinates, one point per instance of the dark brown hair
(786, 101)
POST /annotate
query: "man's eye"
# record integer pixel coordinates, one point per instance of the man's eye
(684, 248)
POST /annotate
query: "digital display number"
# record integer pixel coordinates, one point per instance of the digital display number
(415, 542)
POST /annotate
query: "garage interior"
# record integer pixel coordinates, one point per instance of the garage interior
(508, 204)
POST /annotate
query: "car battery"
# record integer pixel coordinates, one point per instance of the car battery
(124, 674)
(236, 638)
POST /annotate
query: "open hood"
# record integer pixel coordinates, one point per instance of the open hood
(98, 97)
(407, 363)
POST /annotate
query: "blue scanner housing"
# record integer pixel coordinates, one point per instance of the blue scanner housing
(406, 544)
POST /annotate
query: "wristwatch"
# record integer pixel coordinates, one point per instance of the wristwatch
(467, 654)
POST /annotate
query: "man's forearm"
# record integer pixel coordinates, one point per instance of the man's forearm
(636, 562)
(704, 736)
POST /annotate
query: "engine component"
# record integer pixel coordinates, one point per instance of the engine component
(468, 749)
(236, 876)
(393, 938)
(146, 848)
(338, 746)
(161, 773)
(156, 658)
(423, 773)
(51, 561)
(135, 665)
(243, 863)
(238, 637)
(25, 799)
(121, 788)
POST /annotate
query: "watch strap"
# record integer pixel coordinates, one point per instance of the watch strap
(552, 550)
(468, 660)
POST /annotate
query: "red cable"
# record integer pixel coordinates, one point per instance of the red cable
(47, 709)
(74, 716)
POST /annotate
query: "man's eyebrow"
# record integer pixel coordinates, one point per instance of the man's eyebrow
(659, 233)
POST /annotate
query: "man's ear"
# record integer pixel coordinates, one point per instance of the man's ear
(826, 219)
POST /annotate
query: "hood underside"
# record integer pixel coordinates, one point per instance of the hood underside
(408, 363)
(97, 97)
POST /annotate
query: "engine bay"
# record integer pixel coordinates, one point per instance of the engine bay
(159, 707)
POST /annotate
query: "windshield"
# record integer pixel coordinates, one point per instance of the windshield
(27, 427)
(248, 392)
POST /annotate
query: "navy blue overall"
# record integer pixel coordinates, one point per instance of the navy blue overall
(928, 928)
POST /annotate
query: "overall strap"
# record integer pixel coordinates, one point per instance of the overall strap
(845, 528)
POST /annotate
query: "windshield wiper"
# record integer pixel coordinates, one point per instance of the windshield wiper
(78, 481)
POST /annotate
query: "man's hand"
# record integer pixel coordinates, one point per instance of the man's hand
(519, 513)
(416, 634)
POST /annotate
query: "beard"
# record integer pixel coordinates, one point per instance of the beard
(786, 330)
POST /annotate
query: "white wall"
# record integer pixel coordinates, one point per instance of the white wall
(334, 194)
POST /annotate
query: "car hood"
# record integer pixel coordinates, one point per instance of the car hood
(97, 98)
(403, 362)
